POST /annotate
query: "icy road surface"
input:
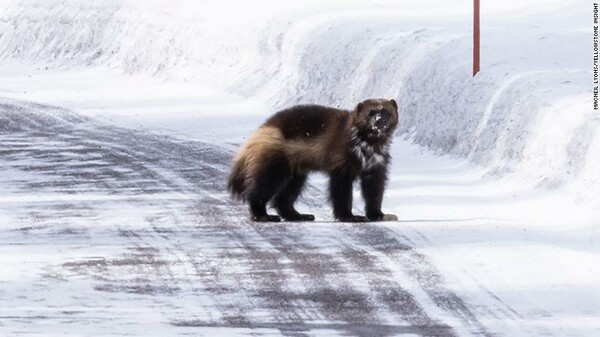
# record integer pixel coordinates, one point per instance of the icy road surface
(109, 231)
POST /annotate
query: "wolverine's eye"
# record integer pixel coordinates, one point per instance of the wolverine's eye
(374, 113)
(379, 112)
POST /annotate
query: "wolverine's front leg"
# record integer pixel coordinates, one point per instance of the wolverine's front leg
(340, 191)
(372, 184)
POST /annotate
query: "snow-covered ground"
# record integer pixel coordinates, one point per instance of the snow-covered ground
(118, 120)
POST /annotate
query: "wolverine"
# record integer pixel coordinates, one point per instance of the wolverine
(273, 164)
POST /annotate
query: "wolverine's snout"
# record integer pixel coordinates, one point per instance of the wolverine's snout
(379, 121)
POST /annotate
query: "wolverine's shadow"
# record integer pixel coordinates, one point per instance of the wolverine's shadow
(389, 222)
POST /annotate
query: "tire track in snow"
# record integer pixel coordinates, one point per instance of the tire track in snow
(421, 269)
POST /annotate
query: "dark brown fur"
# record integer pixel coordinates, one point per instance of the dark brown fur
(275, 160)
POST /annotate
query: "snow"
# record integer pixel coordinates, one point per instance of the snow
(495, 178)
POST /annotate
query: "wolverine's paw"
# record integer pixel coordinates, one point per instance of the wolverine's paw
(354, 218)
(382, 217)
(300, 217)
(389, 217)
(266, 218)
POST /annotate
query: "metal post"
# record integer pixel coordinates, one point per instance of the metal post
(476, 36)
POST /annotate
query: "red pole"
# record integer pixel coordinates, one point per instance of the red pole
(476, 36)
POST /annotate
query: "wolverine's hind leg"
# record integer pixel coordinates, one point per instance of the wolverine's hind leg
(267, 181)
(285, 198)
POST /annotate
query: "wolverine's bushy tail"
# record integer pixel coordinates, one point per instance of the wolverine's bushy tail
(237, 183)
(252, 159)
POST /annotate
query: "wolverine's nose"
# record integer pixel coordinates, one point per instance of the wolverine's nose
(379, 119)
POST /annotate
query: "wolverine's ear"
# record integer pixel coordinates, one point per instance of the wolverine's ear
(359, 107)
(393, 101)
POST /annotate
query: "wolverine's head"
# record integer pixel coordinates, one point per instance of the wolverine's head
(376, 118)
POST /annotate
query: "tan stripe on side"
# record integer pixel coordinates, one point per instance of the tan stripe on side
(309, 154)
